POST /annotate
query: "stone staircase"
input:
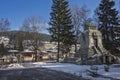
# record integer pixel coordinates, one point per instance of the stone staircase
(103, 52)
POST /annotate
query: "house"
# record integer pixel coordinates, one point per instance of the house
(10, 56)
(28, 55)
(13, 55)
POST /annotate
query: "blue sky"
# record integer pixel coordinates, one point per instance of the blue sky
(17, 10)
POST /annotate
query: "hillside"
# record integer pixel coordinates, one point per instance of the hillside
(13, 34)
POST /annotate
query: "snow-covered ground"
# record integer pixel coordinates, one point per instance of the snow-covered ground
(11, 66)
(80, 70)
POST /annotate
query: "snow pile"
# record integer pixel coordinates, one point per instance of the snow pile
(14, 65)
(11, 66)
(33, 64)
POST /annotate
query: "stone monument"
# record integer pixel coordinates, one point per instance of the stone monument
(91, 49)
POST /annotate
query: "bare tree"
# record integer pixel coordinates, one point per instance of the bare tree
(79, 20)
(32, 26)
(4, 25)
(26, 26)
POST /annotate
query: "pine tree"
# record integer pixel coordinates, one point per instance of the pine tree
(20, 46)
(2, 48)
(62, 29)
(108, 18)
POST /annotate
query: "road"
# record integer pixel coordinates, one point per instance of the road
(36, 74)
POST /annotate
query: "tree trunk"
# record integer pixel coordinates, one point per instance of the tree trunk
(75, 47)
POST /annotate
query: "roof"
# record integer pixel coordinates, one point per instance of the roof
(28, 51)
(13, 51)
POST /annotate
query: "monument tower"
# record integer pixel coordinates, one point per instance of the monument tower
(91, 49)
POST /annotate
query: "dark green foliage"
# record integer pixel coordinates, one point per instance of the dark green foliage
(20, 46)
(108, 19)
(108, 16)
(2, 49)
(62, 28)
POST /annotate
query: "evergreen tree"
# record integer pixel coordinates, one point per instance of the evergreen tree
(20, 46)
(107, 18)
(62, 29)
(2, 48)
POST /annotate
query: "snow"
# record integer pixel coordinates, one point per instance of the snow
(80, 70)
(114, 73)
(13, 51)
(11, 66)
(15, 65)
(4, 40)
(27, 51)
